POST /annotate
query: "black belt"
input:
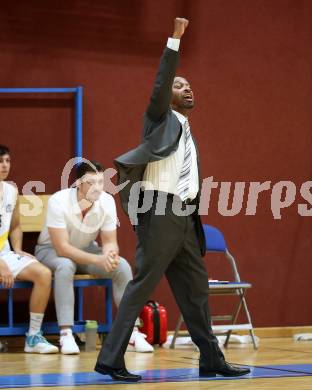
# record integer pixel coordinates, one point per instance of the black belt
(188, 201)
(185, 203)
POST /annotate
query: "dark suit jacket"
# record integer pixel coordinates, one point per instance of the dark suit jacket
(160, 135)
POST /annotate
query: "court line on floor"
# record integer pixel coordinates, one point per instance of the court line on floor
(290, 369)
(289, 350)
(271, 367)
(149, 376)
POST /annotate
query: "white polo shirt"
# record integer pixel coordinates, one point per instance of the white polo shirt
(64, 213)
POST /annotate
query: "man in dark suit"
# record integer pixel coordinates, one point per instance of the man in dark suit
(162, 172)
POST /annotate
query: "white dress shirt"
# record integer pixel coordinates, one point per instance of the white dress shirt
(163, 175)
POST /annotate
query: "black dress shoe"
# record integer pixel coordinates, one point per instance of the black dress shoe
(118, 374)
(224, 369)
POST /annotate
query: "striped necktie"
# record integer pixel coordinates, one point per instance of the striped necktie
(185, 174)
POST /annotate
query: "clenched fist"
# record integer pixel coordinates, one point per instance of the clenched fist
(180, 25)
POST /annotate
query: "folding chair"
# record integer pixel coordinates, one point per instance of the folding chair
(215, 243)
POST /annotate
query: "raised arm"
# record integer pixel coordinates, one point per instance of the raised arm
(161, 94)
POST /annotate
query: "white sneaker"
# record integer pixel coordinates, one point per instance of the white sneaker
(68, 344)
(36, 343)
(137, 343)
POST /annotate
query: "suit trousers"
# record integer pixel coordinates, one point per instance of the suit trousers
(64, 270)
(166, 245)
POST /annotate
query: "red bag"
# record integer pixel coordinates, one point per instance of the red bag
(154, 318)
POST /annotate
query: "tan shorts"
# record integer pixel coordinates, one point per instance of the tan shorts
(15, 262)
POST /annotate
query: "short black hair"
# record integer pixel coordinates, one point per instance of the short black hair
(4, 150)
(88, 166)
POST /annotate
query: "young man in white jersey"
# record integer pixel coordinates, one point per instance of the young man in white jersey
(19, 265)
(75, 218)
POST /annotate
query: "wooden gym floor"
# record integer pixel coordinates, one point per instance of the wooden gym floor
(167, 369)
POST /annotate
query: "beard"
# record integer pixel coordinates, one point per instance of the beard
(93, 196)
(187, 104)
(3, 175)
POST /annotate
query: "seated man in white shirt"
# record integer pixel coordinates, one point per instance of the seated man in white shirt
(16, 264)
(75, 218)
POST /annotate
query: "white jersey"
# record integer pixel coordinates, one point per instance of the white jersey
(9, 197)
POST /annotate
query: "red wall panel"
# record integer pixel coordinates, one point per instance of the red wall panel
(249, 64)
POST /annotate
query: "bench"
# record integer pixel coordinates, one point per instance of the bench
(33, 209)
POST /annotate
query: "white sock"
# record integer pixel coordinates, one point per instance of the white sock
(66, 331)
(35, 323)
